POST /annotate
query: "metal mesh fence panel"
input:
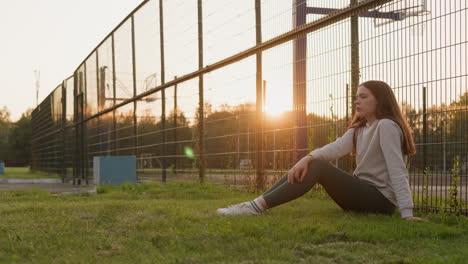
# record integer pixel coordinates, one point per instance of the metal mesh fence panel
(236, 92)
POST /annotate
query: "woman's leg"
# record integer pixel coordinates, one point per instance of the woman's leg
(346, 190)
(277, 184)
(285, 192)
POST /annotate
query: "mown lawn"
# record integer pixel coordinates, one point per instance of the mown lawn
(177, 223)
(25, 173)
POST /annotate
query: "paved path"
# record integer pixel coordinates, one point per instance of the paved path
(50, 185)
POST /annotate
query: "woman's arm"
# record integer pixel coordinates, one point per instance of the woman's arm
(337, 149)
(299, 171)
(340, 147)
(391, 144)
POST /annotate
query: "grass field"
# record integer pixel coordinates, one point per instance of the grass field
(176, 223)
(25, 173)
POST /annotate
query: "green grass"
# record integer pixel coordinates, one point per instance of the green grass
(176, 223)
(25, 173)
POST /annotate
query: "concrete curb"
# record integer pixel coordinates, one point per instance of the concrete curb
(79, 191)
(28, 181)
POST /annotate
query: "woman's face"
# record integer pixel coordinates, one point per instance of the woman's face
(366, 103)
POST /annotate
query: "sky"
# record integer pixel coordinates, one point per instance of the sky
(53, 37)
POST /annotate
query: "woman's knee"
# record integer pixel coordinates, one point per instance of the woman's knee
(316, 168)
(316, 164)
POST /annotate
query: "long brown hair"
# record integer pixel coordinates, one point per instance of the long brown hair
(387, 107)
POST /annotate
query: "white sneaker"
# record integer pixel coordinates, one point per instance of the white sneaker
(245, 208)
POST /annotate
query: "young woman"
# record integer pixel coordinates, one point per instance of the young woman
(380, 138)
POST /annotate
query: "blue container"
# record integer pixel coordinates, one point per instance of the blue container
(114, 170)
(2, 167)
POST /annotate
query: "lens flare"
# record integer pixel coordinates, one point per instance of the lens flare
(189, 152)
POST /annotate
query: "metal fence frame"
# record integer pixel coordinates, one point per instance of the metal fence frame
(60, 141)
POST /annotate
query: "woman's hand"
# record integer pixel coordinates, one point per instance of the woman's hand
(299, 171)
(414, 218)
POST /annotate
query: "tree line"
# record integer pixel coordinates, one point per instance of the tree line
(15, 138)
(230, 137)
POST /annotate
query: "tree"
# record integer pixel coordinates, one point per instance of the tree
(458, 137)
(19, 140)
(4, 132)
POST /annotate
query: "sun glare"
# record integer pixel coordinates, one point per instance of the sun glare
(278, 94)
(274, 111)
(276, 106)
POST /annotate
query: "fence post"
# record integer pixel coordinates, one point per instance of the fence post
(135, 122)
(299, 82)
(354, 53)
(84, 126)
(424, 131)
(176, 147)
(354, 65)
(64, 130)
(259, 127)
(201, 163)
(114, 91)
(135, 128)
(163, 96)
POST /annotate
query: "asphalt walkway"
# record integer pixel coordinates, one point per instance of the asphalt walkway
(50, 185)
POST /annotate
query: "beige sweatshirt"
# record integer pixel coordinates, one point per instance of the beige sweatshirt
(379, 158)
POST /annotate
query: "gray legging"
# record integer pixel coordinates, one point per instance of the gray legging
(349, 192)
